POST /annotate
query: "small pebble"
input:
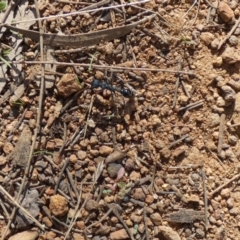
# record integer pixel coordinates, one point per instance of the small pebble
(200, 233)
(149, 199)
(81, 154)
(230, 203)
(58, 205)
(234, 211)
(105, 150)
(225, 193)
(113, 169)
(134, 176)
(230, 154)
(215, 43)
(212, 220)
(207, 37)
(217, 62)
(233, 40)
(156, 218)
(138, 194)
(119, 234)
(214, 119)
(73, 158)
(225, 12)
(91, 205)
(232, 140)
(135, 218)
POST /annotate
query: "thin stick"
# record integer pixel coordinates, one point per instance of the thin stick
(18, 124)
(195, 106)
(205, 199)
(100, 220)
(224, 185)
(121, 220)
(83, 11)
(26, 172)
(5, 210)
(50, 161)
(96, 5)
(72, 182)
(72, 2)
(229, 34)
(178, 141)
(176, 86)
(191, 105)
(60, 175)
(42, 57)
(64, 138)
(74, 219)
(66, 106)
(215, 155)
(235, 125)
(75, 138)
(210, 4)
(124, 10)
(8, 10)
(145, 223)
(196, 15)
(88, 116)
(163, 21)
(23, 210)
(153, 178)
(103, 67)
(221, 130)
(137, 202)
(185, 89)
(190, 9)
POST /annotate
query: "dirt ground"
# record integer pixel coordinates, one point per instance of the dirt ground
(120, 120)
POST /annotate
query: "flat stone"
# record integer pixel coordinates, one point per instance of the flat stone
(113, 169)
(118, 235)
(68, 84)
(105, 150)
(169, 233)
(26, 235)
(225, 193)
(225, 12)
(156, 219)
(207, 37)
(230, 55)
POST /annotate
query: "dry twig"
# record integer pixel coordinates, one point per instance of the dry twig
(103, 67)
(192, 105)
(23, 210)
(74, 219)
(178, 141)
(221, 130)
(176, 86)
(229, 34)
(121, 220)
(224, 185)
(39, 111)
(205, 199)
(88, 116)
(145, 223)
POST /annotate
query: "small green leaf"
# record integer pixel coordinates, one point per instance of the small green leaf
(6, 52)
(2, 5)
(135, 229)
(42, 152)
(121, 184)
(5, 61)
(18, 103)
(106, 191)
